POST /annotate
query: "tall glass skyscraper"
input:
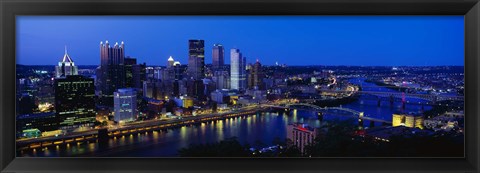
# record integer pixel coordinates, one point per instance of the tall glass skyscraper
(237, 70)
(218, 56)
(196, 59)
(112, 70)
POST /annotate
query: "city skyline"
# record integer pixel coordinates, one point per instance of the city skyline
(420, 45)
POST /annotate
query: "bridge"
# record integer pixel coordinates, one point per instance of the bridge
(402, 95)
(333, 110)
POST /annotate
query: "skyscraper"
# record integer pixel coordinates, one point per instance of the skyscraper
(256, 76)
(237, 70)
(125, 104)
(129, 71)
(218, 56)
(66, 66)
(74, 101)
(112, 70)
(134, 73)
(196, 59)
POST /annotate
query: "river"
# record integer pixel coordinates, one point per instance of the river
(257, 130)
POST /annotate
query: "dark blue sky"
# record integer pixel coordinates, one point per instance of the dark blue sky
(293, 40)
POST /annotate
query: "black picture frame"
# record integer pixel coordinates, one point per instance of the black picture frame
(10, 8)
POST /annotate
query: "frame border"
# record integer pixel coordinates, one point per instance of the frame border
(10, 8)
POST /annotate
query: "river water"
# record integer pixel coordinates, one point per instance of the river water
(257, 130)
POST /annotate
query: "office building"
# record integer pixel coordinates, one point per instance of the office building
(196, 59)
(237, 70)
(45, 121)
(134, 73)
(256, 76)
(66, 66)
(75, 102)
(218, 56)
(221, 79)
(125, 105)
(112, 71)
(217, 96)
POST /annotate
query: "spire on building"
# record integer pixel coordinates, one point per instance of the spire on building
(66, 57)
(170, 58)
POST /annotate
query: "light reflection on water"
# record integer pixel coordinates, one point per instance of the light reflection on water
(263, 127)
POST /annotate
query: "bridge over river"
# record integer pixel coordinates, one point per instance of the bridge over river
(331, 110)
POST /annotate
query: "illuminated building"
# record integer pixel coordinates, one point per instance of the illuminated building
(125, 105)
(112, 71)
(301, 135)
(187, 102)
(170, 62)
(256, 76)
(196, 59)
(45, 121)
(237, 70)
(75, 102)
(66, 66)
(411, 120)
(218, 56)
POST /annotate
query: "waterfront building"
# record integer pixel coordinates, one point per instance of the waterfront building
(184, 101)
(218, 56)
(66, 66)
(237, 70)
(75, 102)
(196, 59)
(43, 122)
(217, 96)
(301, 135)
(125, 105)
(408, 120)
(112, 70)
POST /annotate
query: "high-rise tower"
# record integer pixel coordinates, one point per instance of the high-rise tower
(75, 101)
(66, 66)
(218, 56)
(256, 76)
(112, 70)
(237, 70)
(196, 59)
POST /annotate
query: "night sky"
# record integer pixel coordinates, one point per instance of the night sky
(300, 40)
